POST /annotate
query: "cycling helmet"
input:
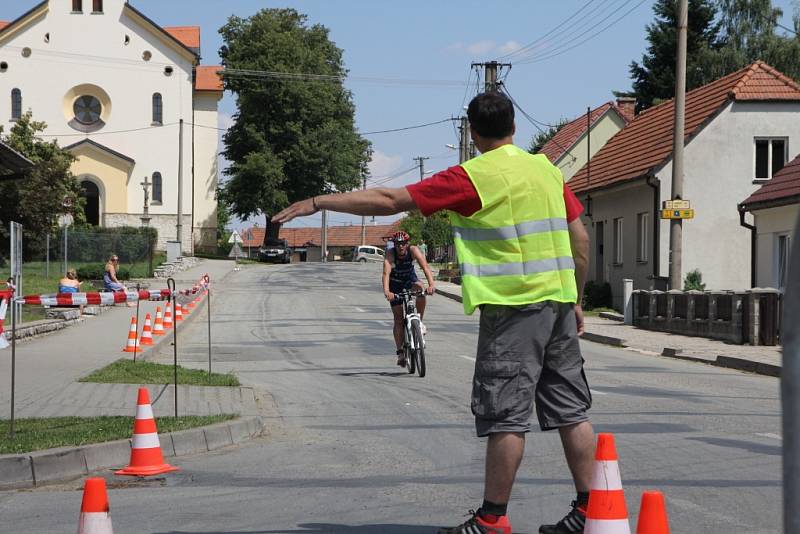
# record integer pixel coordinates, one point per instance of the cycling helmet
(400, 237)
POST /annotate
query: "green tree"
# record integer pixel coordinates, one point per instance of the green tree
(437, 231)
(294, 134)
(412, 225)
(654, 78)
(541, 139)
(37, 200)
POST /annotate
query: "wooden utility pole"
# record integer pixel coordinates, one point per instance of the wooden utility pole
(490, 72)
(324, 239)
(421, 161)
(676, 225)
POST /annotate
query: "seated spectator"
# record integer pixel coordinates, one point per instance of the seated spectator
(70, 283)
(110, 281)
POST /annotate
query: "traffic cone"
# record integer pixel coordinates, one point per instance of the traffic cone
(192, 303)
(178, 312)
(158, 326)
(147, 332)
(168, 316)
(652, 514)
(131, 345)
(95, 518)
(606, 512)
(146, 457)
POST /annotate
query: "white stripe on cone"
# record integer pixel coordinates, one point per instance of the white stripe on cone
(607, 526)
(146, 441)
(144, 411)
(605, 476)
(95, 523)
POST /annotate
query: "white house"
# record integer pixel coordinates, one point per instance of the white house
(739, 131)
(776, 210)
(114, 88)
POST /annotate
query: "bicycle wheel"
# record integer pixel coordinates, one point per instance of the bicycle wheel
(409, 354)
(419, 351)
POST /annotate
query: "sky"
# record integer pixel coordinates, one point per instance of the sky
(422, 51)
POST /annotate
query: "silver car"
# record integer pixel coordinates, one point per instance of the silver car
(367, 253)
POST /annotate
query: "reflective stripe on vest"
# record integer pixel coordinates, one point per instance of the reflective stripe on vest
(515, 250)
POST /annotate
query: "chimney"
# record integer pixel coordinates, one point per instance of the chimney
(627, 106)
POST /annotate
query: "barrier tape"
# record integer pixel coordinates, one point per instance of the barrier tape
(92, 298)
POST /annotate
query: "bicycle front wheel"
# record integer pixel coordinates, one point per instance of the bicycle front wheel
(409, 355)
(419, 350)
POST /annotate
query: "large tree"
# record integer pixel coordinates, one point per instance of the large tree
(294, 134)
(544, 136)
(48, 190)
(654, 78)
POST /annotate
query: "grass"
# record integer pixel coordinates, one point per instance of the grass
(38, 434)
(124, 371)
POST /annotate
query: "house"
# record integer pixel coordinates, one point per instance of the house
(252, 240)
(738, 133)
(123, 94)
(306, 242)
(569, 150)
(775, 207)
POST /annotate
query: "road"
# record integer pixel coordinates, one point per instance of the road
(356, 445)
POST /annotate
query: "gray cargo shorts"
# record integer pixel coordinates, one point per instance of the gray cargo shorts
(526, 353)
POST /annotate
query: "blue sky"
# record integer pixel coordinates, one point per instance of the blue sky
(436, 41)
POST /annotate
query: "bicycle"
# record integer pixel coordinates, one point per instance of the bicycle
(414, 340)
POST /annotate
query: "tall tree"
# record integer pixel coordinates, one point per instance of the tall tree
(541, 138)
(294, 134)
(48, 190)
(654, 78)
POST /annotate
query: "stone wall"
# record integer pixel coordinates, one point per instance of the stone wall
(165, 224)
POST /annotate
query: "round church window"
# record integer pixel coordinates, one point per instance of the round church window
(87, 109)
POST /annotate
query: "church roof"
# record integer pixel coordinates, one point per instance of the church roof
(103, 148)
(189, 36)
(208, 79)
(5, 25)
(12, 163)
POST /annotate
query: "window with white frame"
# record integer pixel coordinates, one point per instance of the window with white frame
(618, 243)
(642, 226)
(782, 252)
(771, 154)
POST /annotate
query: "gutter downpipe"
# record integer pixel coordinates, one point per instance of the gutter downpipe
(753, 243)
(653, 182)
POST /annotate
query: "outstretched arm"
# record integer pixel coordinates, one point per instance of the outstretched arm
(378, 201)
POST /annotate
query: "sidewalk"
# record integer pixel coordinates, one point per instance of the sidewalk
(47, 370)
(761, 360)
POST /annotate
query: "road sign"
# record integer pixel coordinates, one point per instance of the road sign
(677, 214)
(235, 237)
(677, 205)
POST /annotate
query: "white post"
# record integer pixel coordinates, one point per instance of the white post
(627, 300)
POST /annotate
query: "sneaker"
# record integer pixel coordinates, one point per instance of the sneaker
(401, 359)
(480, 525)
(572, 523)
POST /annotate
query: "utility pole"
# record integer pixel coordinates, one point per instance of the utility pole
(421, 161)
(179, 226)
(676, 225)
(463, 143)
(363, 217)
(490, 72)
(324, 240)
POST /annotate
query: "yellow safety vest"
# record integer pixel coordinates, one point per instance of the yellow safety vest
(515, 250)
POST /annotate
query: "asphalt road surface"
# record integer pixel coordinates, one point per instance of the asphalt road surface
(356, 445)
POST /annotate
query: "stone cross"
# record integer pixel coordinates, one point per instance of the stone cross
(146, 214)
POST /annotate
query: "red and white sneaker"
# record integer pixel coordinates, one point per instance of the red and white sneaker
(480, 525)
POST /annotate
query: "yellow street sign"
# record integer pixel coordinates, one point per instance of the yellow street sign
(677, 214)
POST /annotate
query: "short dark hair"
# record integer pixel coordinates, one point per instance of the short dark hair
(491, 115)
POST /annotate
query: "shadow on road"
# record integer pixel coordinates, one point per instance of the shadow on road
(326, 528)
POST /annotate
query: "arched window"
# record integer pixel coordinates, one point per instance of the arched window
(97, 6)
(77, 6)
(16, 104)
(157, 188)
(158, 109)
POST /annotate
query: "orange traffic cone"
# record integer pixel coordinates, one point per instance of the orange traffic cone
(146, 457)
(178, 312)
(192, 303)
(606, 512)
(168, 316)
(653, 514)
(95, 518)
(131, 345)
(147, 332)
(158, 326)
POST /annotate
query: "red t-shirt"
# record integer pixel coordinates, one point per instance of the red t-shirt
(451, 189)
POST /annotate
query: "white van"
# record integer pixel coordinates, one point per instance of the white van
(367, 253)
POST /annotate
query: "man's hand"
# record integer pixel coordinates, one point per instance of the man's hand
(298, 209)
(431, 290)
(389, 295)
(579, 318)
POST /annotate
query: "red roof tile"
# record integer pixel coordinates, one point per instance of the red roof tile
(253, 237)
(189, 36)
(208, 79)
(339, 236)
(3, 24)
(783, 186)
(646, 143)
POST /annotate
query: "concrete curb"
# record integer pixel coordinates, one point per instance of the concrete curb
(55, 465)
(605, 340)
(741, 364)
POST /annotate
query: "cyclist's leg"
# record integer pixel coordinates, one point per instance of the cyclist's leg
(397, 312)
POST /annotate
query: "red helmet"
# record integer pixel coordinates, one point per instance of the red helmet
(400, 237)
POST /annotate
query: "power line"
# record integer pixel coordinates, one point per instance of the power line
(335, 78)
(407, 127)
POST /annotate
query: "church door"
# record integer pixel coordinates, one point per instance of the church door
(91, 194)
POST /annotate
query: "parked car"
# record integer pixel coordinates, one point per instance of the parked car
(275, 250)
(367, 253)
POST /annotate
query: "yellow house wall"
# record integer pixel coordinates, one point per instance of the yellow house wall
(109, 173)
(603, 130)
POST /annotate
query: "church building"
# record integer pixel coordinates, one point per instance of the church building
(131, 101)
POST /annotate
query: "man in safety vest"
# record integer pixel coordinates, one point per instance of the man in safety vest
(523, 253)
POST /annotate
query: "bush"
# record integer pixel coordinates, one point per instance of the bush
(694, 281)
(96, 272)
(597, 295)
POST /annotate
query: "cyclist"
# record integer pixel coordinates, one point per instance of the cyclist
(399, 274)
